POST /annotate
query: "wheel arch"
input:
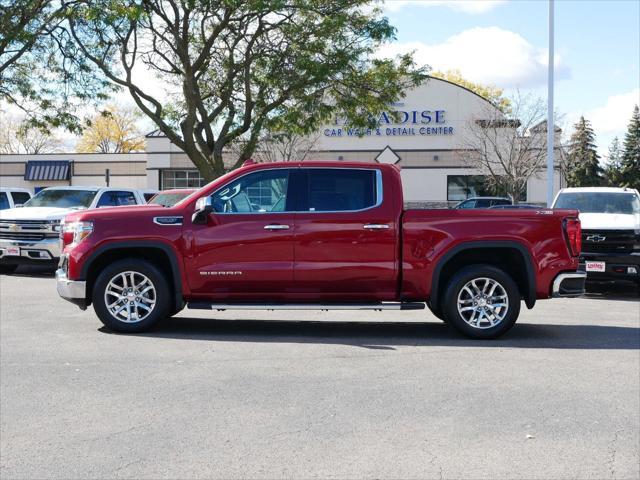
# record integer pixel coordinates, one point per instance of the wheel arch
(523, 270)
(156, 252)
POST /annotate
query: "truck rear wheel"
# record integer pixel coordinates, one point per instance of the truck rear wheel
(131, 296)
(481, 301)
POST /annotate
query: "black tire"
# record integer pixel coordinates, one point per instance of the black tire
(160, 309)
(454, 288)
(8, 269)
(437, 312)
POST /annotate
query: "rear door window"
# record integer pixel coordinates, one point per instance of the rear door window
(341, 189)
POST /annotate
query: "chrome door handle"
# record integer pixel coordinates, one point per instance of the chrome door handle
(376, 226)
(276, 227)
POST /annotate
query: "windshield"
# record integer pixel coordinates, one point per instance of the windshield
(169, 199)
(59, 198)
(599, 202)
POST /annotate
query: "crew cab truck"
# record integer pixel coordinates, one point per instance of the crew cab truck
(30, 234)
(316, 235)
(610, 219)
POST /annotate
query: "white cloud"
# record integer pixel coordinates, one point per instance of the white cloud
(487, 55)
(614, 115)
(466, 6)
(609, 120)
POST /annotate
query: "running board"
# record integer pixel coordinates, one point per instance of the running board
(307, 306)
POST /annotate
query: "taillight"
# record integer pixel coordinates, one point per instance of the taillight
(573, 232)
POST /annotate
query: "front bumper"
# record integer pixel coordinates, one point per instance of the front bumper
(47, 250)
(569, 284)
(74, 291)
(616, 266)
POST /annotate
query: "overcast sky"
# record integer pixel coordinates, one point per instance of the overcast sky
(504, 43)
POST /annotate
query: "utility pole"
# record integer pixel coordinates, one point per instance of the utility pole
(550, 125)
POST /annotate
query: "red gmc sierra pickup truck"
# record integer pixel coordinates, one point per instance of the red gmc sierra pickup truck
(316, 235)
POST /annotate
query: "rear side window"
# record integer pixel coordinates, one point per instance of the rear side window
(341, 189)
(20, 198)
(4, 201)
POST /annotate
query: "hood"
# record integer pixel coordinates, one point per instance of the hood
(610, 221)
(36, 213)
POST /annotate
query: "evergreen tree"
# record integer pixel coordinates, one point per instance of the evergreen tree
(631, 155)
(613, 170)
(583, 167)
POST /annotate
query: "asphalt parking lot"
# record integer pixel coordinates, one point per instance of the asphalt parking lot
(317, 394)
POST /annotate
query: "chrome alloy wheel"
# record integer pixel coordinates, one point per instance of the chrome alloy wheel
(483, 303)
(130, 297)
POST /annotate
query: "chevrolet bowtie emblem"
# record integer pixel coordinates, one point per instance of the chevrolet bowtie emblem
(14, 228)
(596, 238)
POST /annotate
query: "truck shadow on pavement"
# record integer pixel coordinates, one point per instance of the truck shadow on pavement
(387, 336)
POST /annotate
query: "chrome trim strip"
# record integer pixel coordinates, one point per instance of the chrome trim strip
(157, 222)
(566, 276)
(375, 226)
(276, 227)
(379, 191)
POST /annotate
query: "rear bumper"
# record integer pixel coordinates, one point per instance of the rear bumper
(616, 266)
(47, 250)
(74, 291)
(569, 284)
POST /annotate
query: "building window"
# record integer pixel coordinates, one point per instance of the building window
(461, 187)
(181, 179)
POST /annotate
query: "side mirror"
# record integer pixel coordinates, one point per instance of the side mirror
(204, 208)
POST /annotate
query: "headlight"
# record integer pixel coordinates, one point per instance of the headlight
(75, 232)
(54, 225)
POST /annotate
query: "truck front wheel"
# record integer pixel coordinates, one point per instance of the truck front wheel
(481, 301)
(130, 296)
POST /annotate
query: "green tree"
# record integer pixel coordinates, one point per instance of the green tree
(631, 155)
(583, 167)
(40, 69)
(613, 169)
(494, 94)
(226, 70)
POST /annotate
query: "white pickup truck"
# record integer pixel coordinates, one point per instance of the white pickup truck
(29, 234)
(610, 220)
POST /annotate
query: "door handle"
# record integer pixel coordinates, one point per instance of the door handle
(275, 226)
(376, 226)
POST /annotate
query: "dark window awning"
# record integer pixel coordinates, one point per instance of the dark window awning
(47, 170)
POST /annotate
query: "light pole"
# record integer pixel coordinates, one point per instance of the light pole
(550, 126)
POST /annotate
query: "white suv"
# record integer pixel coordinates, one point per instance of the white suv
(13, 197)
(30, 234)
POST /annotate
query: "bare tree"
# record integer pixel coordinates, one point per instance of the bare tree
(285, 147)
(508, 149)
(20, 137)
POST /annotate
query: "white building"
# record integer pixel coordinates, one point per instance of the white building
(423, 134)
